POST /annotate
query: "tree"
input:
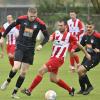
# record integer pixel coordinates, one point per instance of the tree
(96, 5)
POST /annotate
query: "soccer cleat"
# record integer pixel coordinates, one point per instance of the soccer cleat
(4, 85)
(14, 96)
(72, 92)
(26, 91)
(88, 90)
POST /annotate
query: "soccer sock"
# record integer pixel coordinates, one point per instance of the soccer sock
(62, 84)
(87, 82)
(19, 82)
(82, 84)
(11, 75)
(76, 58)
(72, 61)
(11, 60)
(35, 82)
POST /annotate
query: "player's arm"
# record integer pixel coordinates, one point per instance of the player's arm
(84, 51)
(75, 42)
(17, 22)
(81, 28)
(83, 43)
(46, 37)
(52, 37)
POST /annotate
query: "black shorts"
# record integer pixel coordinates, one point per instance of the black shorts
(88, 64)
(25, 55)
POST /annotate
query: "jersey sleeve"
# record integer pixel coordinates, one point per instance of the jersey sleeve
(15, 23)
(45, 33)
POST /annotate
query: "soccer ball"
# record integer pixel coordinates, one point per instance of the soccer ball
(50, 95)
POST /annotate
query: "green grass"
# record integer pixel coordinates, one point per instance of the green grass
(38, 94)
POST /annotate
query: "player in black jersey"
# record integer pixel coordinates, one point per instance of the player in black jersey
(91, 40)
(25, 45)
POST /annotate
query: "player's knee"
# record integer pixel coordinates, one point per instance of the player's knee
(80, 72)
(10, 55)
(23, 73)
(41, 72)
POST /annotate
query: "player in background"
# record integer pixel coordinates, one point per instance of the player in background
(91, 41)
(61, 41)
(1, 44)
(11, 39)
(75, 27)
(30, 25)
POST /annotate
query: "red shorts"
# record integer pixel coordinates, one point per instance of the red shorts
(72, 47)
(11, 48)
(54, 63)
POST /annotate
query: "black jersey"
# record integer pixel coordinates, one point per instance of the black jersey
(26, 38)
(91, 42)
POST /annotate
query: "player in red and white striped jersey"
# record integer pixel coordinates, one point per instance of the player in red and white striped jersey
(1, 44)
(76, 27)
(61, 41)
(11, 39)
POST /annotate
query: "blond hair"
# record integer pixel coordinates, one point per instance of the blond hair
(32, 10)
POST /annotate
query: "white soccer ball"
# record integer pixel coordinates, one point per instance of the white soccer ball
(50, 95)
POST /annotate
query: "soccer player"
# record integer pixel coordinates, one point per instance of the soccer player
(75, 26)
(91, 40)
(30, 25)
(61, 40)
(1, 44)
(11, 39)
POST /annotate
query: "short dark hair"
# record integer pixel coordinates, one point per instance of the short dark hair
(32, 10)
(90, 23)
(62, 20)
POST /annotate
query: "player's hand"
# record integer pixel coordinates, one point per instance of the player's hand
(39, 47)
(97, 50)
(88, 56)
(51, 38)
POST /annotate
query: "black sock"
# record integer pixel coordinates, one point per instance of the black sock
(82, 84)
(11, 75)
(87, 82)
(18, 84)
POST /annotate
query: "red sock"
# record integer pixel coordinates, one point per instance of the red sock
(62, 84)
(72, 61)
(35, 82)
(11, 60)
(76, 58)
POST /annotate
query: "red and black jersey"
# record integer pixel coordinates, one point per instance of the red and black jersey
(27, 38)
(91, 41)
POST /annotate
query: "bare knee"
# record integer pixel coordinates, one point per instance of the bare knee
(81, 71)
(10, 55)
(23, 73)
(42, 71)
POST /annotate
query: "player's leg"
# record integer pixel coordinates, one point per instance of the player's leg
(12, 73)
(61, 83)
(21, 78)
(10, 52)
(81, 74)
(83, 78)
(72, 62)
(36, 80)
